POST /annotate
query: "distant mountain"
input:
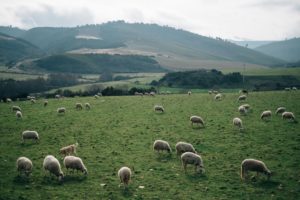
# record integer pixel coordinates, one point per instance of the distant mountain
(250, 44)
(13, 50)
(12, 31)
(174, 49)
(92, 63)
(288, 50)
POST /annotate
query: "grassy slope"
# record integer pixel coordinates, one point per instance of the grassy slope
(120, 131)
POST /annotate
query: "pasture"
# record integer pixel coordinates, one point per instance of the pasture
(120, 131)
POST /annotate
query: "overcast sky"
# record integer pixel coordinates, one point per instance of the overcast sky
(228, 19)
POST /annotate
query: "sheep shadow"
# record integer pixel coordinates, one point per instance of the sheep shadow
(264, 183)
(194, 176)
(21, 180)
(74, 179)
(198, 127)
(28, 144)
(164, 157)
(51, 180)
(126, 192)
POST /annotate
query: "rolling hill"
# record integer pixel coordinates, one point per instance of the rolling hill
(174, 49)
(13, 50)
(288, 50)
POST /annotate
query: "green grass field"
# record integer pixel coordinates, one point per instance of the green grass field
(120, 131)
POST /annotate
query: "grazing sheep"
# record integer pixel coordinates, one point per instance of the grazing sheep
(288, 115)
(19, 115)
(182, 147)
(152, 94)
(96, 96)
(45, 103)
(210, 92)
(215, 92)
(254, 165)
(287, 89)
(193, 159)
(197, 120)
(78, 106)
(57, 96)
(246, 106)
(8, 100)
(189, 93)
(159, 108)
(138, 94)
(124, 174)
(161, 145)
(87, 106)
(52, 165)
(280, 110)
(294, 88)
(71, 149)
(16, 108)
(72, 162)
(242, 110)
(32, 101)
(24, 165)
(30, 135)
(242, 98)
(61, 110)
(266, 114)
(243, 91)
(238, 122)
(218, 96)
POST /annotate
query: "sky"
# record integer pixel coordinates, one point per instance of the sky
(228, 19)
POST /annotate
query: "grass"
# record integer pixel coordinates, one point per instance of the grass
(120, 131)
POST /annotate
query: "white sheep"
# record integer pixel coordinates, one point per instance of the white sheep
(45, 103)
(242, 110)
(32, 101)
(124, 174)
(266, 114)
(52, 165)
(210, 92)
(254, 165)
(30, 135)
(70, 149)
(197, 120)
(287, 89)
(96, 96)
(159, 108)
(57, 96)
(75, 163)
(280, 110)
(16, 108)
(246, 106)
(294, 88)
(193, 159)
(242, 98)
(238, 123)
(182, 147)
(78, 106)
(87, 106)
(61, 110)
(24, 165)
(189, 93)
(161, 145)
(8, 100)
(218, 96)
(138, 94)
(152, 94)
(19, 114)
(288, 115)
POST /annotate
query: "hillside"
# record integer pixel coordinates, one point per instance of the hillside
(13, 50)
(93, 63)
(120, 131)
(288, 50)
(174, 49)
(250, 44)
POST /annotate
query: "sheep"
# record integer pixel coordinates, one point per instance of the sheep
(238, 122)
(67, 150)
(16, 108)
(45, 103)
(159, 108)
(8, 100)
(72, 162)
(161, 145)
(78, 106)
(215, 92)
(242, 110)
(61, 110)
(19, 114)
(254, 165)
(218, 97)
(182, 147)
(52, 165)
(294, 88)
(246, 106)
(266, 114)
(32, 101)
(288, 115)
(193, 159)
(152, 94)
(57, 96)
(287, 89)
(96, 96)
(124, 174)
(30, 135)
(24, 165)
(197, 120)
(280, 110)
(87, 106)
(209, 92)
(189, 93)
(242, 98)
(243, 91)
(138, 94)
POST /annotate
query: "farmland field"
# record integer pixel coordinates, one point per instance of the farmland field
(120, 131)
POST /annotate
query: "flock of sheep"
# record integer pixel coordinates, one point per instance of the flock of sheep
(186, 151)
